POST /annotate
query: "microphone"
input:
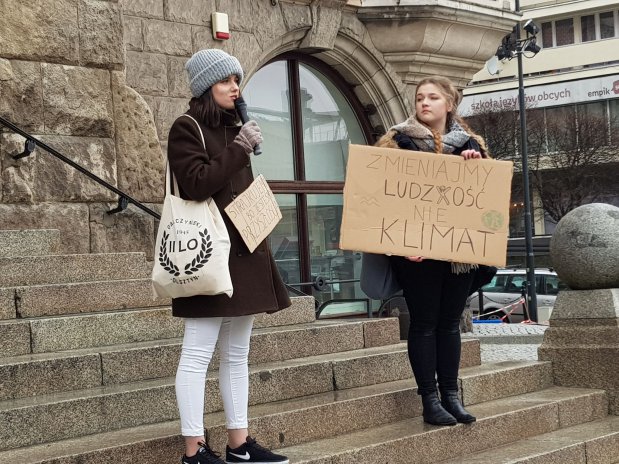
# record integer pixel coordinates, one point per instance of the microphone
(241, 108)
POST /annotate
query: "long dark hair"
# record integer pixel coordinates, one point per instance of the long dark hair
(205, 108)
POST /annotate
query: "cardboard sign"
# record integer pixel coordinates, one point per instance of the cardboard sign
(411, 203)
(255, 213)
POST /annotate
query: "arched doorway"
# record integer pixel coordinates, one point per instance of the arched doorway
(308, 116)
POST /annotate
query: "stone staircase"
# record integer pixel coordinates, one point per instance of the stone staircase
(88, 357)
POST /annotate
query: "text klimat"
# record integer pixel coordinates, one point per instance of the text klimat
(401, 232)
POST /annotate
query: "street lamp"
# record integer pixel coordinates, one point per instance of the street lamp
(513, 46)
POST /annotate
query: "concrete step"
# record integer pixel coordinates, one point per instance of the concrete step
(82, 297)
(99, 366)
(46, 418)
(49, 334)
(61, 269)
(412, 441)
(29, 242)
(590, 443)
(284, 423)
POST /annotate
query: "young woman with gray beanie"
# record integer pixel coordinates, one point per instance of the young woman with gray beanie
(221, 171)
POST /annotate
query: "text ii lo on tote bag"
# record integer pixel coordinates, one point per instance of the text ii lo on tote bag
(192, 247)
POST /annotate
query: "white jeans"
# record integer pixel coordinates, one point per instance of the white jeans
(201, 335)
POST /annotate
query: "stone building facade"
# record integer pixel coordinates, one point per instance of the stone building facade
(102, 81)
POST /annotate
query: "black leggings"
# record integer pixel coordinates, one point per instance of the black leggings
(435, 298)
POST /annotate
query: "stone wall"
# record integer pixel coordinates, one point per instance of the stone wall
(62, 79)
(103, 80)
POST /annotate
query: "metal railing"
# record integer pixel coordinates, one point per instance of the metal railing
(32, 142)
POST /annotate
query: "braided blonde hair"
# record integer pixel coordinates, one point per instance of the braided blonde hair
(453, 97)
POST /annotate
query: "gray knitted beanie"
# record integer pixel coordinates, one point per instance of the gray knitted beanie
(207, 67)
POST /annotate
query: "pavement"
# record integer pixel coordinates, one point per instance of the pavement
(508, 342)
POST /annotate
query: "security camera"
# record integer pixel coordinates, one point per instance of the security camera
(530, 27)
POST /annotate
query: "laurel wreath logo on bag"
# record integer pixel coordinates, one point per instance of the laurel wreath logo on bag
(206, 250)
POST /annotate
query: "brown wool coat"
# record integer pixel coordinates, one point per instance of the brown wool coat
(223, 172)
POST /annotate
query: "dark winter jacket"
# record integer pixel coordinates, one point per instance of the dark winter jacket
(223, 172)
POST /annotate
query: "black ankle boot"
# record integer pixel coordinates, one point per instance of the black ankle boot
(452, 404)
(434, 413)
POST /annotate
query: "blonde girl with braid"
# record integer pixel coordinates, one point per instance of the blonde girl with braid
(436, 291)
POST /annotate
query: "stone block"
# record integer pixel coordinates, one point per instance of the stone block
(578, 366)
(165, 111)
(268, 24)
(603, 449)
(591, 306)
(29, 242)
(62, 417)
(42, 177)
(371, 369)
(15, 336)
(584, 408)
(500, 380)
(127, 231)
(7, 304)
(26, 28)
(138, 153)
(101, 34)
(85, 331)
(132, 34)
(16, 176)
(470, 354)
(239, 14)
(129, 364)
(353, 27)
(71, 219)
(190, 11)
(557, 336)
(301, 311)
(296, 16)
(21, 94)
(147, 73)
(143, 8)
(167, 38)
(380, 332)
(178, 85)
(314, 340)
(41, 270)
(276, 383)
(52, 375)
(325, 26)
(77, 101)
(585, 247)
(85, 297)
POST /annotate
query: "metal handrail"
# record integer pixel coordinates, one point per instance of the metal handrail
(32, 142)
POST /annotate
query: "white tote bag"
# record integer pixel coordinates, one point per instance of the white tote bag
(192, 248)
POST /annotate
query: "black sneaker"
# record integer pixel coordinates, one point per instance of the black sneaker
(251, 452)
(205, 455)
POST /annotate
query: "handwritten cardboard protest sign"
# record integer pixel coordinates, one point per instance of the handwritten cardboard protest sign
(255, 213)
(410, 203)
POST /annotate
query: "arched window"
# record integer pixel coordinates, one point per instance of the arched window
(308, 116)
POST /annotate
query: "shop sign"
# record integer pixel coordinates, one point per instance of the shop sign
(564, 93)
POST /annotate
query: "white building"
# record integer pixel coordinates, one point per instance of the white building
(576, 73)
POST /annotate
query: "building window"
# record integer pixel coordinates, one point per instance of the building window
(308, 117)
(329, 124)
(587, 26)
(564, 31)
(607, 25)
(547, 41)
